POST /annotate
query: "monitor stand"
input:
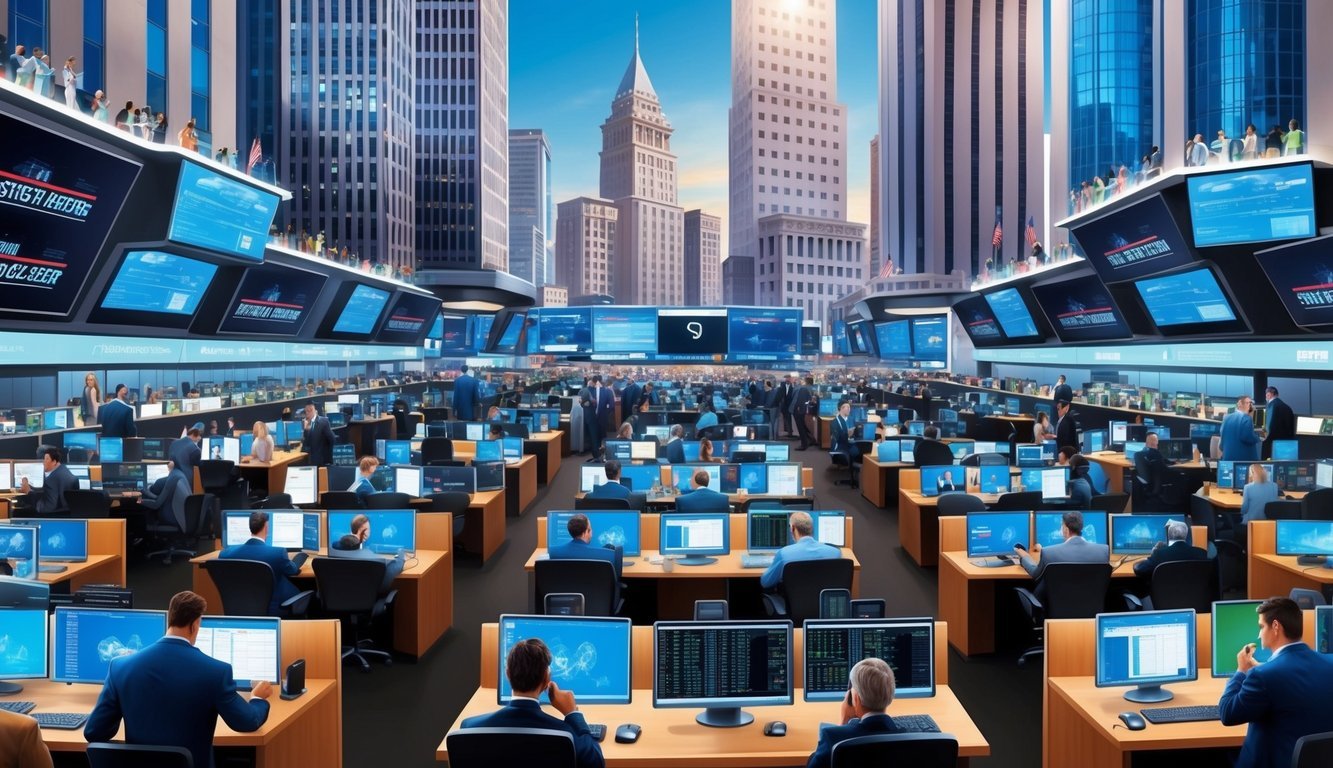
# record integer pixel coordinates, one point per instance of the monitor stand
(699, 560)
(1311, 560)
(9, 689)
(48, 568)
(995, 561)
(724, 717)
(1149, 694)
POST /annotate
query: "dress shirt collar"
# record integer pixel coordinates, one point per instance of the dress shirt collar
(1283, 648)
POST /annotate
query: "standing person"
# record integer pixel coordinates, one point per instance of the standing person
(1273, 142)
(1042, 429)
(1098, 190)
(123, 118)
(800, 409)
(1239, 443)
(159, 129)
(1249, 148)
(117, 416)
(1062, 391)
(188, 138)
(71, 82)
(784, 406)
(1066, 431)
(91, 400)
(1293, 141)
(145, 114)
(1281, 421)
(14, 68)
(170, 693)
(27, 71)
(42, 73)
(100, 107)
(1222, 147)
(1198, 153)
(465, 395)
(317, 437)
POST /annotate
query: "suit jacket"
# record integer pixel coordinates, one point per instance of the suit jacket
(393, 568)
(526, 713)
(606, 404)
(185, 452)
(830, 735)
(840, 440)
(1066, 431)
(805, 549)
(50, 498)
(1176, 550)
(1074, 549)
(117, 419)
(1239, 443)
(1276, 699)
(21, 743)
(1281, 424)
(171, 694)
(610, 490)
(800, 401)
(283, 567)
(630, 397)
(578, 549)
(1063, 392)
(317, 441)
(675, 451)
(703, 500)
(465, 398)
(784, 393)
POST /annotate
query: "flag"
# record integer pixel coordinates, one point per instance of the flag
(256, 153)
(1031, 232)
(886, 270)
(998, 237)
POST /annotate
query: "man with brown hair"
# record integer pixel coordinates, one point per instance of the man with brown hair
(170, 693)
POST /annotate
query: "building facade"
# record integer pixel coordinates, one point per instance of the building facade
(703, 259)
(529, 204)
(553, 296)
(585, 245)
(738, 281)
(876, 264)
(809, 262)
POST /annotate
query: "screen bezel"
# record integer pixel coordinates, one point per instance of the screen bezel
(1162, 518)
(1027, 302)
(981, 515)
(727, 701)
(558, 519)
(503, 653)
(1282, 552)
(1044, 293)
(1191, 644)
(906, 622)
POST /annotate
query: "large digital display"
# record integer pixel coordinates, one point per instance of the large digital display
(858, 337)
(840, 344)
(1185, 298)
(510, 335)
(157, 282)
(1011, 310)
(481, 331)
(362, 311)
(978, 320)
(271, 300)
(1139, 240)
(222, 214)
(894, 340)
(408, 319)
(1081, 310)
(930, 341)
(58, 199)
(565, 330)
(764, 334)
(1302, 275)
(1252, 205)
(692, 334)
(456, 335)
(625, 330)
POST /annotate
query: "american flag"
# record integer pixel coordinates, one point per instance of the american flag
(998, 237)
(887, 270)
(256, 154)
(1031, 232)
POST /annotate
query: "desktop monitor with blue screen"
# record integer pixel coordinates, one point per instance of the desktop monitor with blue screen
(1285, 450)
(784, 479)
(447, 479)
(394, 451)
(383, 479)
(111, 449)
(834, 646)
(490, 475)
(907, 451)
(1235, 474)
(61, 541)
(1145, 649)
(946, 478)
(641, 477)
(682, 473)
(1048, 527)
(591, 476)
(659, 432)
(25, 652)
(946, 414)
(1012, 406)
(869, 430)
(488, 450)
(691, 449)
(620, 450)
(609, 528)
(960, 450)
(1094, 440)
(994, 534)
(1235, 625)
(828, 407)
(1119, 433)
(1309, 540)
(994, 478)
(1138, 534)
(1295, 475)
(917, 428)
(87, 639)
(20, 545)
(751, 478)
(695, 537)
(1030, 478)
(777, 452)
(887, 451)
(723, 667)
(1048, 451)
(590, 656)
(1323, 628)
(767, 530)
(252, 645)
(85, 440)
(1132, 448)
(1029, 455)
(512, 448)
(391, 530)
(290, 529)
(247, 444)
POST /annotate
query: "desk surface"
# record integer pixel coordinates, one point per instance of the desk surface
(1015, 572)
(1100, 708)
(727, 566)
(413, 568)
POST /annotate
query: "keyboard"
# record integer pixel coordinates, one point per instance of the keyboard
(598, 730)
(62, 721)
(755, 561)
(916, 723)
(1159, 715)
(18, 707)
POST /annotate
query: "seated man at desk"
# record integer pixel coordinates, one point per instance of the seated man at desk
(701, 498)
(675, 447)
(255, 548)
(804, 546)
(863, 711)
(613, 488)
(350, 546)
(50, 498)
(841, 439)
(1074, 549)
(528, 667)
(1080, 487)
(362, 486)
(1150, 469)
(580, 545)
(1283, 698)
(1176, 547)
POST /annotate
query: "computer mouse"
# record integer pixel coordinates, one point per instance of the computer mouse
(627, 733)
(1133, 721)
(775, 728)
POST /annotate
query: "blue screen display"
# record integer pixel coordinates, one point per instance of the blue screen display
(84, 440)
(397, 451)
(1138, 534)
(219, 213)
(1286, 450)
(489, 450)
(752, 478)
(1304, 537)
(481, 331)
(1012, 313)
(88, 639)
(1081, 310)
(361, 311)
(858, 338)
(391, 531)
(1135, 241)
(942, 479)
(764, 334)
(18, 542)
(1048, 525)
(930, 341)
(272, 300)
(1252, 205)
(408, 318)
(840, 344)
(511, 335)
(685, 534)
(624, 330)
(61, 540)
(1132, 647)
(590, 657)
(111, 449)
(153, 281)
(564, 330)
(609, 528)
(1185, 298)
(681, 474)
(454, 334)
(1302, 275)
(978, 319)
(641, 476)
(887, 451)
(995, 533)
(994, 478)
(25, 650)
(894, 339)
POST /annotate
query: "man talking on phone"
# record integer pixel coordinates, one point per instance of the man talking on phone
(863, 711)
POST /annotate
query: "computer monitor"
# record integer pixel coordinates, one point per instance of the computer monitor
(695, 537)
(690, 449)
(1138, 534)
(722, 667)
(784, 479)
(290, 529)
(24, 593)
(490, 475)
(1145, 649)
(945, 478)
(1323, 474)
(1323, 628)
(252, 645)
(1094, 440)
(1311, 540)
(407, 480)
(87, 639)
(1054, 483)
(659, 432)
(590, 655)
(222, 449)
(907, 451)
(641, 477)
(750, 478)
(994, 478)
(643, 450)
(830, 526)
(1132, 448)
(1136, 433)
(391, 530)
(85, 440)
(777, 452)
(302, 484)
(620, 450)
(617, 528)
(59, 540)
(1119, 433)
(1286, 450)
(917, 428)
(19, 544)
(155, 472)
(6, 475)
(247, 444)
(1295, 475)
(682, 473)
(1048, 527)
(994, 534)
(1028, 456)
(475, 430)
(444, 479)
(887, 451)
(1235, 625)
(111, 449)
(833, 647)
(767, 530)
(25, 651)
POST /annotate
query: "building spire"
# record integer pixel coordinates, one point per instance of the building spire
(636, 34)
(636, 77)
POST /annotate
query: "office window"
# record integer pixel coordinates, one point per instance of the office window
(93, 63)
(156, 48)
(28, 24)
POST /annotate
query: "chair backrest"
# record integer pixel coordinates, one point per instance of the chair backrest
(1283, 509)
(199, 509)
(594, 579)
(105, 755)
(487, 747)
(1184, 584)
(278, 501)
(1017, 501)
(1313, 751)
(1307, 599)
(388, 500)
(931, 453)
(456, 502)
(919, 750)
(1097, 476)
(1232, 569)
(245, 586)
(348, 585)
(88, 503)
(1318, 505)
(436, 449)
(339, 500)
(1075, 590)
(803, 580)
(1113, 503)
(587, 503)
(958, 504)
(215, 473)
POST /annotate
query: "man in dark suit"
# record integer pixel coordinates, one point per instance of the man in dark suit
(675, 447)
(598, 407)
(614, 489)
(1150, 469)
(528, 667)
(117, 416)
(630, 397)
(580, 547)
(170, 693)
(842, 439)
(184, 452)
(863, 711)
(1066, 431)
(465, 396)
(784, 398)
(1074, 549)
(1280, 420)
(800, 408)
(56, 479)
(1062, 390)
(351, 546)
(316, 437)
(701, 499)
(1176, 547)
(255, 548)
(1239, 442)
(1283, 698)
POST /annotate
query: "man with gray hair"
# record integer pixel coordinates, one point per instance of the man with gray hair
(863, 711)
(804, 546)
(1176, 547)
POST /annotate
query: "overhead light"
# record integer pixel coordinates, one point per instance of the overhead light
(473, 306)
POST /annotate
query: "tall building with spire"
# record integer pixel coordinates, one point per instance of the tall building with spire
(639, 177)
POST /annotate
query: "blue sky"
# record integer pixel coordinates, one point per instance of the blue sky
(566, 59)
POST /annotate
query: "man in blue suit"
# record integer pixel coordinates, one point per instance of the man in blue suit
(117, 416)
(184, 452)
(701, 499)
(465, 396)
(614, 489)
(863, 711)
(675, 447)
(580, 546)
(255, 548)
(1239, 442)
(528, 667)
(170, 693)
(630, 397)
(1282, 698)
(804, 546)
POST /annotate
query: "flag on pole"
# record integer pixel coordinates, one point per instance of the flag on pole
(1031, 232)
(998, 237)
(256, 154)
(886, 270)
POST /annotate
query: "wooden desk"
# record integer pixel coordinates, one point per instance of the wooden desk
(1273, 574)
(364, 432)
(918, 529)
(520, 477)
(548, 447)
(306, 731)
(879, 480)
(484, 531)
(106, 558)
(271, 474)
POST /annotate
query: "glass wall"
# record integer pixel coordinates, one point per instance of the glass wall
(157, 56)
(28, 24)
(200, 65)
(94, 45)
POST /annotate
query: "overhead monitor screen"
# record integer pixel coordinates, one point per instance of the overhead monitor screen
(692, 334)
(1302, 275)
(1185, 298)
(58, 199)
(1252, 205)
(162, 283)
(978, 319)
(764, 334)
(1011, 310)
(481, 331)
(455, 338)
(217, 212)
(271, 300)
(1139, 240)
(894, 339)
(408, 319)
(510, 335)
(930, 341)
(840, 344)
(858, 338)
(812, 339)
(1081, 310)
(362, 311)
(565, 330)
(624, 330)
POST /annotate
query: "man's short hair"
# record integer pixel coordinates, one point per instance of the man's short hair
(578, 525)
(1286, 612)
(612, 469)
(1068, 451)
(872, 679)
(1150, 438)
(677, 430)
(185, 609)
(1078, 465)
(1176, 530)
(701, 479)
(802, 524)
(119, 387)
(258, 519)
(368, 463)
(52, 453)
(1073, 520)
(359, 522)
(348, 541)
(931, 432)
(1271, 390)
(1061, 404)
(527, 665)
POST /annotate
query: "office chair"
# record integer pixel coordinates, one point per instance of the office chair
(88, 504)
(931, 453)
(587, 503)
(1112, 503)
(1017, 501)
(76, 455)
(1283, 509)
(246, 588)
(453, 502)
(1097, 477)
(339, 500)
(106, 755)
(435, 449)
(594, 579)
(950, 504)
(488, 747)
(277, 501)
(1317, 505)
(1307, 599)
(1179, 584)
(198, 511)
(216, 474)
(1232, 570)
(844, 459)
(388, 500)
(797, 597)
(1313, 751)
(350, 590)
(919, 750)
(1072, 591)
(984, 460)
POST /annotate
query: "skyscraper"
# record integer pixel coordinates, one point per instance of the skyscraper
(529, 204)
(809, 263)
(876, 264)
(738, 281)
(703, 266)
(639, 174)
(585, 243)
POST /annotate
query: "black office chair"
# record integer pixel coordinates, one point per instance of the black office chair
(1232, 570)
(984, 460)
(453, 502)
(277, 501)
(931, 453)
(246, 589)
(1072, 591)
(1111, 503)
(797, 596)
(587, 503)
(339, 500)
(435, 449)
(919, 750)
(107, 755)
(1283, 509)
(1313, 751)
(216, 474)
(951, 504)
(1179, 584)
(844, 459)
(488, 747)
(747, 457)
(594, 579)
(1017, 501)
(350, 590)
(1219, 524)
(77, 455)
(1317, 505)
(88, 504)
(1307, 599)
(199, 510)
(388, 500)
